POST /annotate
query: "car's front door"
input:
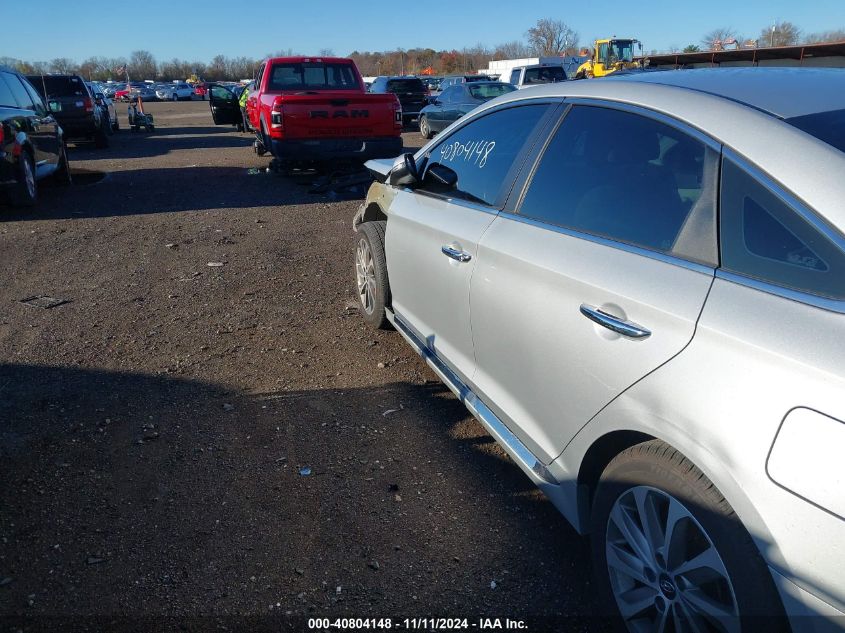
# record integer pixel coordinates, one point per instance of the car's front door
(434, 228)
(225, 109)
(600, 276)
(40, 126)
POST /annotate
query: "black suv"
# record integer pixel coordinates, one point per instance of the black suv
(32, 144)
(411, 91)
(73, 106)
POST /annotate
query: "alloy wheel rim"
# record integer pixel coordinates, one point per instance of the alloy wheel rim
(366, 276)
(29, 178)
(665, 573)
(424, 126)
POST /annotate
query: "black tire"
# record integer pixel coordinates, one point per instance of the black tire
(62, 174)
(425, 128)
(658, 466)
(370, 237)
(25, 191)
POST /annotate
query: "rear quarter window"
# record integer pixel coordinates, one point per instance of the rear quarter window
(765, 238)
(7, 99)
(825, 126)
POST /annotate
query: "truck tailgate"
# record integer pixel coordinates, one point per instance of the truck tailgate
(339, 115)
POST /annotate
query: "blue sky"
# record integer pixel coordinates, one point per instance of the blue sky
(194, 30)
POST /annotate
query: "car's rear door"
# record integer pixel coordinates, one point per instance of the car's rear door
(36, 122)
(434, 229)
(600, 275)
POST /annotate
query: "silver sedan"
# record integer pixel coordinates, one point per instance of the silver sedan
(637, 284)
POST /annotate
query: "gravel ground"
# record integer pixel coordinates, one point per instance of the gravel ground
(155, 427)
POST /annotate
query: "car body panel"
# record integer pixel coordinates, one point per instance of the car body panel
(432, 290)
(556, 369)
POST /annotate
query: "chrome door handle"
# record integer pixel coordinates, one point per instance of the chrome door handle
(454, 253)
(625, 328)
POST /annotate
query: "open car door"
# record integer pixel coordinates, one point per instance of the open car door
(225, 109)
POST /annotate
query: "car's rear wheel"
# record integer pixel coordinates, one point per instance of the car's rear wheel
(25, 191)
(670, 553)
(371, 274)
(425, 128)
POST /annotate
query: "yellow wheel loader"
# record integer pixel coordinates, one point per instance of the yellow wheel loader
(609, 55)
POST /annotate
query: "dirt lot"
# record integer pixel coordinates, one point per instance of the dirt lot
(153, 428)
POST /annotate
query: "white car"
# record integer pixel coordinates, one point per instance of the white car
(174, 92)
(637, 284)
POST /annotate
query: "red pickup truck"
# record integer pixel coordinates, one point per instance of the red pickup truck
(315, 109)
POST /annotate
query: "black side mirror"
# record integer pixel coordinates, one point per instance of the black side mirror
(406, 173)
(442, 175)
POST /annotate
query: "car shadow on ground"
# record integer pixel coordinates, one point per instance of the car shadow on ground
(145, 495)
(137, 191)
(162, 140)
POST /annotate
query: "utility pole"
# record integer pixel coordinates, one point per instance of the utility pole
(772, 41)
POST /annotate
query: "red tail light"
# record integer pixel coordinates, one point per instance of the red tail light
(277, 114)
(89, 104)
(397, 112)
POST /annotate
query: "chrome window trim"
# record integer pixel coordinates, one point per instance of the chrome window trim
(651, 114)
(817, 301)
(628, 248)
(475, 206)
(788, 198)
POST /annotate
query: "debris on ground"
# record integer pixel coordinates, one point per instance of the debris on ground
(43, 301)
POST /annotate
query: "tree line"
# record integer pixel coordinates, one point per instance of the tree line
(548, 37)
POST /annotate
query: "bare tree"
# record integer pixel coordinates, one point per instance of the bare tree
(780, 34)
(327, 52)
(511, 50)
(218, 69)
(142, 65)
(62, 66)
(827, 36)
(715, 39)
(551, 37)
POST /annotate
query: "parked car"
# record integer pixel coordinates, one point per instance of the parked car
(201, 90)
(536, 74)
(411, 91)
(73, 106)
(456, 101)
(174, 92)
(314, 110)
(106, 105)
(32, 144)
(655, 266)
(462, 79)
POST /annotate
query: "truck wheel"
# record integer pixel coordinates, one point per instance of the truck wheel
(668, 550)
(25, 191)
(371, 274)
(425, 130)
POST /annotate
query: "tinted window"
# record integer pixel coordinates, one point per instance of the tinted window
(484, 154)
(449, 95)
(515, 76)
(21, 95)
(763, 237)
(36, 98)
(405, 85)
(485, 92)
(6, 96)
(547, 75)
(312, 76)
(60, 86)
(628, 178)
(826, 126)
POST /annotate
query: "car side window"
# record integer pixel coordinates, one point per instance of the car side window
(631, 179)
(763, 237)
(448, 95)
(514, 76)
(37, 101)
(21, 95)
(478, 161)
(7, 98)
